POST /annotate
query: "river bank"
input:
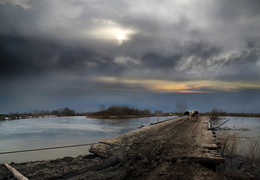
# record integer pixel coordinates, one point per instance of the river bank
(173, 149)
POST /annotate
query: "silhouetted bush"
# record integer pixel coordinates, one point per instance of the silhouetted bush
(215, 113)
(121, 111)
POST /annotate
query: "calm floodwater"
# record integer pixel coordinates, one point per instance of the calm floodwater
(61, 131)
(246, 129)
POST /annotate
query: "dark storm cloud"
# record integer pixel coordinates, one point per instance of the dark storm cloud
(244, 65)
(22, 56)
(154, 60)
(207, 61)
(202, 60)
(28, 56)
(164, 40)
(16, 20)
(201, 49)
(201, 52)
(56, 49)
(233, 9)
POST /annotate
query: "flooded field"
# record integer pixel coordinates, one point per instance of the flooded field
(61, 131)
(245, 130)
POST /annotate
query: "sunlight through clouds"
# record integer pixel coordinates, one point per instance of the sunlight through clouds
(82, 53)
(108, 30)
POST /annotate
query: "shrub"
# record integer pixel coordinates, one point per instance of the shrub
(115, 110)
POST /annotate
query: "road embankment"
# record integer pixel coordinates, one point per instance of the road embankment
(174, 149)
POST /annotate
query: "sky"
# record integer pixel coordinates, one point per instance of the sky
(145, 54)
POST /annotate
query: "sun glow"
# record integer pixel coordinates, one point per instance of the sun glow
(118, 35)
(121, 36)
(111, 31)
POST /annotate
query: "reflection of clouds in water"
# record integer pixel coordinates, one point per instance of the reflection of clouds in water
(76, 126)
(36, 133)
(87, 127)
(40, 128)
(246, 128)
(241, 129)
(20, 130)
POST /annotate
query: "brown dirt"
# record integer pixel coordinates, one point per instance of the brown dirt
(175, 149)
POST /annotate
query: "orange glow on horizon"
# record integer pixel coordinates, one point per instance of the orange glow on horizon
(176, 88)
(167, 86)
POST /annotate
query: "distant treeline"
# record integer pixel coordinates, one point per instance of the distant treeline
(216, 113)
(41, 113)
(120, 111)
(60, 112)
(114, 111)
(233, 114)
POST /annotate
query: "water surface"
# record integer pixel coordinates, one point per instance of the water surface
(61, 131)
(245, 129)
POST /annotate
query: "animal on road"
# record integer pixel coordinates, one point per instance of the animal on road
(192, 114)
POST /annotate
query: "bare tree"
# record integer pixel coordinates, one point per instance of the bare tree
(181, 106)
(158, 112)
(102, 107)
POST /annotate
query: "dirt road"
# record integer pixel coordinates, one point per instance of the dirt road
(175, 149)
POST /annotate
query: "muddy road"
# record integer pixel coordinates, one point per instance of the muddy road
(173, 149)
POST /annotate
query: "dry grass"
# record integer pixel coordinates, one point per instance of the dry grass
(213, 116)
(229, 143)
(242, 157)
(251, 150)
(232, 144)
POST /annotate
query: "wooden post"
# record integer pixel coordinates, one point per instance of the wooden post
(16, 174)
(221, 124)
(209, 123)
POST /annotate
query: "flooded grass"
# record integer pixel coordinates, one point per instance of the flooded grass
(242, 157)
